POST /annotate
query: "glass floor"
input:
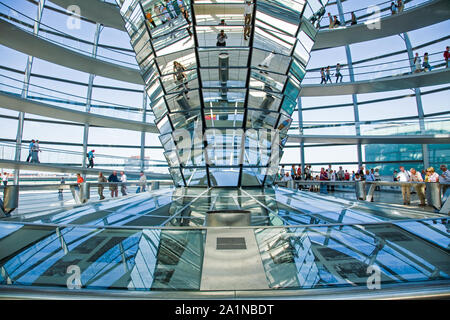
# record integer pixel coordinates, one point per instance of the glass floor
(158, 240)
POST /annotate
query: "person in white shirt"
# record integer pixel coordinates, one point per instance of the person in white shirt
(420, 188)
(333, 177)
(142, 182)
(123, 188)
(431, 176)
(282, 173)
(248, 11)
(5, 179)
(286, 177)
(404, 176)
(341, 174)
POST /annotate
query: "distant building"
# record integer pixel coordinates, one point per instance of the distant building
(437, 153)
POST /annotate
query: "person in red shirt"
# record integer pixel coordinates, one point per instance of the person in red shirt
(347, 175)
(299, 172)
(323, 177)
(79, 178)
(446, 56)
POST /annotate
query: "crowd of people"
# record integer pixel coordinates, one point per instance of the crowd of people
(428, 175)
(114, 181)
(165, 12)
(295, 173)
(373, 174)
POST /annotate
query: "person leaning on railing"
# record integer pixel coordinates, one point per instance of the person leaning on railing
(323, 177)
(80, 180)
(113, 186)
(404, 176)
(101, 179)
(431, 176)
(142, 182)
(123, 187)
(420, 188)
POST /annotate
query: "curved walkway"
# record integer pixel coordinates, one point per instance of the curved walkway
(11, 102)
(430, 13)
(393, 139)
(98, 11)
(424, 15)
(20, 40)
(414, 80)
(22, 165)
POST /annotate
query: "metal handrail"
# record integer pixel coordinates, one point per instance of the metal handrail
(129, 108)
(191, 228)
(77, 153)
(380, 183)
(409, 290)
(56, 186)
(64, 35)
(364, 17)
(382, 64)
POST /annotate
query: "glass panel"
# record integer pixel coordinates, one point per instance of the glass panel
(195, 177)
(164, 125)
(263, 59)
(236, 57)
(227, 94)
(340, 256)
(224, 147)
(110, 259)
(224, 176)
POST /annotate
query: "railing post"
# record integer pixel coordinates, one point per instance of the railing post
(89, 98)
(420, 113)
(360, 190)
(75, 193)
(290, 184)
(24, 94)
(155, 185)
(371, 192)
(10, 199)
(85, 192)
(352, 79)
(433, 194)
(445, 209)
